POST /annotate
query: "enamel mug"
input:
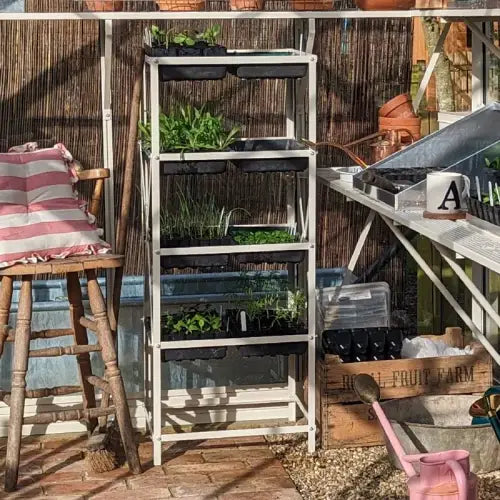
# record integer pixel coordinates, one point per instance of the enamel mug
(447, 193)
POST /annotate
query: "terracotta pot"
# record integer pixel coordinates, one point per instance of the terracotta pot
(246, 4)
(385, 4)
(411, 124)
(181, 5)
(104, 5)
(398, 107)
(312, 4)
(431, 4)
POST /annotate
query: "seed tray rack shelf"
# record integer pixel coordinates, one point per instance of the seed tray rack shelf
(299, 256)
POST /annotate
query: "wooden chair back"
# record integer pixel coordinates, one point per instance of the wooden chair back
(98, 175)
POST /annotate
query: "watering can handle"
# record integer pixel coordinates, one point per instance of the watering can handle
(459, 478)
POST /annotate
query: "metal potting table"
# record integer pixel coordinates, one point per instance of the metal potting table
(474, 239)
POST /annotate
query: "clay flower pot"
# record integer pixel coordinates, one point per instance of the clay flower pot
(246, 4)
(181, 5)
(398, 107)
(413, 125)
(104, 5)
(312, 4)
(385, 4)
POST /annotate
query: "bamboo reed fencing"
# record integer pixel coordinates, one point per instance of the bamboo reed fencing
(50, 91)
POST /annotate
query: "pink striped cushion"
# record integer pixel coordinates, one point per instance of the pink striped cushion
(41, 217)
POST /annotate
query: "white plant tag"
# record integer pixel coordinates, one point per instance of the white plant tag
(243, 317)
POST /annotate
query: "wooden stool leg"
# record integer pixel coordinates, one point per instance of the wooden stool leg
(80, 333)
(19, 368)
(113, 374)
(5, 303)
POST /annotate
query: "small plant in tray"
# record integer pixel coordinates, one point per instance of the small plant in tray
(267, 315)
(262, 236)
(193, 324)
(186, 43)
(190, 129)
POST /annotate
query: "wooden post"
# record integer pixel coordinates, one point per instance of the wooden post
(113, 375)
(19, 368)
(5, 302)
(76, 312)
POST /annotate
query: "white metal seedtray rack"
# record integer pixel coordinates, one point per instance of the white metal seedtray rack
(301, 213)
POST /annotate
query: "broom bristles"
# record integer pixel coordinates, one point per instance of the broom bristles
(104, 451)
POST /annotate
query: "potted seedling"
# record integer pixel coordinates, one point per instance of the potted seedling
(104, 5)
(194, 222)
(192, 324)
(486, 207)
(268, 316)
(291, 163)
(255, 235)
(186, 43)
(181, 5)
(493, 169)
(189, 130)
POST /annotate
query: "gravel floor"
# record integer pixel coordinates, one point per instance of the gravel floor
(353, 473)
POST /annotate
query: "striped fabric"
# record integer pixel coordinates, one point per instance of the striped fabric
(41, 217)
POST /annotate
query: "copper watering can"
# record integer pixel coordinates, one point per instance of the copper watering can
(387, 143)
(443, 476)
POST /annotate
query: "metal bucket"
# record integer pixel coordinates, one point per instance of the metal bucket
(438, 423)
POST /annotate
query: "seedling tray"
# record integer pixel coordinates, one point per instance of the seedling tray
(183, 261)
(484, 211)
(252, 71)
(195, 352)
(290, 164)
(193, 167)
(285, 349)
(185, 72)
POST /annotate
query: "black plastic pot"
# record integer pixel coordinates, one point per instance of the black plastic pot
(195, 352)
(484, 211)
(193, 167)
(182, 261)
(258, 71)
(290, 164)
(262, 328)
(185, 72)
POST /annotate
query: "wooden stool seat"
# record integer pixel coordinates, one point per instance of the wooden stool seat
(70, 265)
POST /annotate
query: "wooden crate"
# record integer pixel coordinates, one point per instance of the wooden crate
(345, 421)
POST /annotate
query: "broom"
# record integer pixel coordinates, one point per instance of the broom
(104, 448)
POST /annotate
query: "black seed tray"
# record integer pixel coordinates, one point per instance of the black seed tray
(285, 349)
(182, 261)
(484, 211)
(183, 72)
(291, 164)
(193, 167)
(289, 256)
(257, 71)
(194, 353)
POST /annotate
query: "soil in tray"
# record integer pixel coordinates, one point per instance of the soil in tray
(291, 164)
(265, 327)
(182, 261)
(192, 167)
(184, 72)
(257, 71)
(193, 353)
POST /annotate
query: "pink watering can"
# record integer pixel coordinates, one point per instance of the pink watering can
(444, 475)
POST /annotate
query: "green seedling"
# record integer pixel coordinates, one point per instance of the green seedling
(263, 237)
(493, 164)
(190, 129)
(192, 321)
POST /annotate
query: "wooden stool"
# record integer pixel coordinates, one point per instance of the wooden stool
(112, 384)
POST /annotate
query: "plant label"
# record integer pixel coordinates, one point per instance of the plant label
(243, 318)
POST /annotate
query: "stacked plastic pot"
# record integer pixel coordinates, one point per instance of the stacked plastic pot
(398, 114)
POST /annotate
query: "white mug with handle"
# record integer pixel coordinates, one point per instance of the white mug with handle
(447, 194)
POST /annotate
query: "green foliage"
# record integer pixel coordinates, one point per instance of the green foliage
(494, 164)
(496, 198)
(184, 38)
(195, 218)
(189, 129)
(262, 236)
(192, 321)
